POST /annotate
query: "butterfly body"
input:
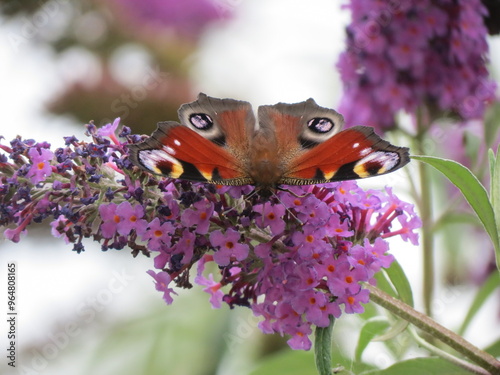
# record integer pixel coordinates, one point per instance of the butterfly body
(219, 141)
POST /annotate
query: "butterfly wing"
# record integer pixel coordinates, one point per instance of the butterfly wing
(208, 146)
(314, 149)
(352, 154)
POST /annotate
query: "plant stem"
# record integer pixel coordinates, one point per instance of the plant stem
(425, 205)
(426, 324)
(445, 355)
(323, 348)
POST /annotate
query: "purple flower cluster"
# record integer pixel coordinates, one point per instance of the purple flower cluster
(294, 258)
(405, 54)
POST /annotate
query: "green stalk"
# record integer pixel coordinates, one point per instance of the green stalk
(425, 205)
(445, 355)
(323, 348)
(450, 338)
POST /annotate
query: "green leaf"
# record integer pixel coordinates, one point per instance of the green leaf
(370, 329)
(491, 123)
(323, 348)
(482, 295)
(290, 362)
(495, 196)
(394, 282)
(472, 146)
(398, 278)
(492, 163)
(384, 283)
(419, 366)
(455, 218)
(398, 327)
(494, 349)
(473, 191)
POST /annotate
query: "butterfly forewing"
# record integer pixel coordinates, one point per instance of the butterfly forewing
(351, 154)
(178, 152)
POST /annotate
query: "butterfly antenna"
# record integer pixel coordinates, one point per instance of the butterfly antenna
(287, 209)
(251, 194)
(291, 192)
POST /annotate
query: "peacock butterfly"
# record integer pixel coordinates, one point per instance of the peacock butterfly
(218, 141)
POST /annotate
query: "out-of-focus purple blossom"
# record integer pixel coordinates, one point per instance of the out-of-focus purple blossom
(109, 130)
(295, 259)
(199, 215)
(188, 17)
(110, 219)
(162, 280)
(228, 246)
(271, 216)
(406, 54)
(158, 234)
(40, 164)
(130, 219)
(213, 288)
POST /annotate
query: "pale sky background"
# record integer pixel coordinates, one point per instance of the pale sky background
(265, 55)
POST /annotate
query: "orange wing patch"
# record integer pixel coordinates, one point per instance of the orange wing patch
(351, 154)
(179, 152)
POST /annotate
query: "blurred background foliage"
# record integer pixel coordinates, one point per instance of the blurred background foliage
(160, 35)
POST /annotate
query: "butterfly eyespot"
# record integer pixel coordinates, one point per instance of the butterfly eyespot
(201, 121)
(320, 125)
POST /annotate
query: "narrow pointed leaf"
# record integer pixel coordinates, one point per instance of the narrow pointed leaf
(398, 278)
(495, 197)
(419, 366)
(372, 328)
(397, 328)
(492, 284)
(473, 191)
(492, 162)
(494, 349)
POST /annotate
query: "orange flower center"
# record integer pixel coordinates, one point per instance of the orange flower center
(405, 48)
